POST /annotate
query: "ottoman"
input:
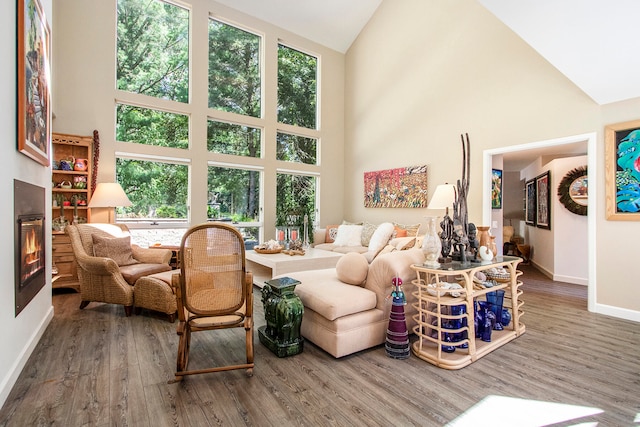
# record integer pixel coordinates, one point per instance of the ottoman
(154, 292)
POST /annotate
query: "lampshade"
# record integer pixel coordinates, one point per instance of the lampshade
(109, 195)
(443, 197)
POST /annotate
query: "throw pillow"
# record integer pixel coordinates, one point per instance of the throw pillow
(381, 236)
(348, 235)
(412, 230)
(405, 243)
(367, 231)
(385, 250)
(330, 233)
(116, 248)
(352, 268)
(399, 232)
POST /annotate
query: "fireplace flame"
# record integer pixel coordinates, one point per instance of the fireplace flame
(31, 248)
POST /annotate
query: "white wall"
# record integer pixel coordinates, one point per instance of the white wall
(19, 335)
(561, 252)
(570, 230)
(421, 73)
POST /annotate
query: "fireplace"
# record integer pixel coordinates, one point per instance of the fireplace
(29, 244)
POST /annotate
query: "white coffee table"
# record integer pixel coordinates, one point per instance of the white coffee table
(267, 266)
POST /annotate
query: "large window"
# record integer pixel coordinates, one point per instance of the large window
(234, 69)
(297, 98)
(298, 149)
(295, 198)
(153, 49)
(151, 127)
(234, 195)
(229, 138)
(158, 190)
(195, 147)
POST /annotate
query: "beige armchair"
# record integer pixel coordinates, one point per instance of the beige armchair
(109, 265)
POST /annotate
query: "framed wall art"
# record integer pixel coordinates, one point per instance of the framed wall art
(34, 82)
(543, 200)
(573, 190)
(622, 171)
(396, 188)
(496, 189)
(530, 202)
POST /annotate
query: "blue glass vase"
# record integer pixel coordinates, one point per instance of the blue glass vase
(496, 299)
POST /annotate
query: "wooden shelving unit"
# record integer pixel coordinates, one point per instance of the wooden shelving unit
(434, 310)
(69, 148)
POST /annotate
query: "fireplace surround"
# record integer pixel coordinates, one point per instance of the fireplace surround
(29, 242)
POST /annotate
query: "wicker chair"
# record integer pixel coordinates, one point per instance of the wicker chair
(109, 266)
(213, 291)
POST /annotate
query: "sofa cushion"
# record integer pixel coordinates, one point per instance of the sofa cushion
(349, 235)
(349, 249)
(412, 230)
(352, 269)
(367, 231)
(403, 243)
(399, 232)
(116, 248)
(331, 233)
(131, 273)
(324, 293)
(341, 249)
(381, 236)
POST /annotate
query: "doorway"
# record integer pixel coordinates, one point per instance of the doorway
(551, 146)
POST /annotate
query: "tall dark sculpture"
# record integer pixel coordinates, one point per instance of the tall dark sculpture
(460, 238)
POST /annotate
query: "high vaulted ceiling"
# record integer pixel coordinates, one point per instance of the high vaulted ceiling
(331, 23)
(595, 43)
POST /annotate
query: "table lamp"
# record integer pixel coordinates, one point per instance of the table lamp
(443, 198)
(109, 195)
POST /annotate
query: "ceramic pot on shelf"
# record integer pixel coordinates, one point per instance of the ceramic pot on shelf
(81, 164)
(484, 238)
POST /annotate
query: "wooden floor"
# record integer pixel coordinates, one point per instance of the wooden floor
(97, 367)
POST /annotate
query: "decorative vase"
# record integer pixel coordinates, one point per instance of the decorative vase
(484, 239)
(506, 317)
(431, 245)
(495, 300)
(492, 245)
(460, 310)
(484, 319)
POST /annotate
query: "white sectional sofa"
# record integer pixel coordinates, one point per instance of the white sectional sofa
(346, 308)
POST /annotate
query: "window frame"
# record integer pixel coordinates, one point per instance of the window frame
(197, 155)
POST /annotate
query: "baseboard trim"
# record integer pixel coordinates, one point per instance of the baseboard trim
(621, 313)
(571, 279)
(9, 381)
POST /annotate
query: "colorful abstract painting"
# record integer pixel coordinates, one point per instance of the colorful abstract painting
(622, 179)
(396, 188)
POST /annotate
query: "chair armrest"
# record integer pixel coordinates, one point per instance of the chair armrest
(385, 267)
(100, 266)
(151, 256)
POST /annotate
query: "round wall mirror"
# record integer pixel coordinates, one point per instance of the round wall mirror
(572, 190)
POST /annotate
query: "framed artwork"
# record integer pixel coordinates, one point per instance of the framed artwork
(34, 82)
(496, 189)
(543, 200)
(396, 188)
(573, 191)
(530, 202)
(622, 171)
